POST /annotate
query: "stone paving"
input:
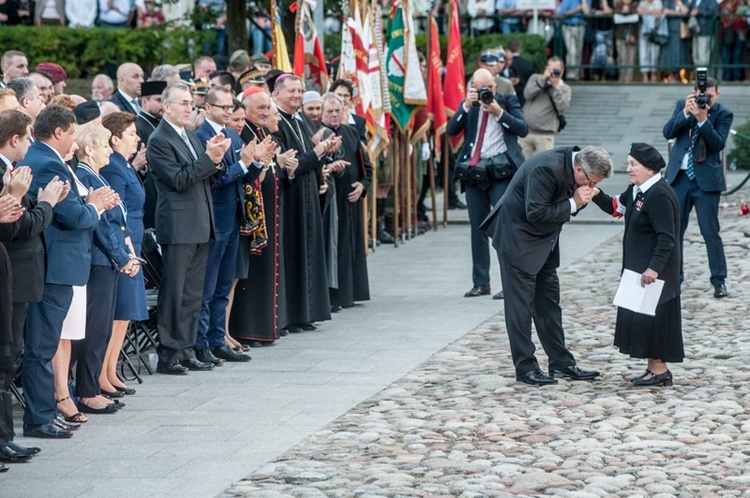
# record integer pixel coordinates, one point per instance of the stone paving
(460, 425)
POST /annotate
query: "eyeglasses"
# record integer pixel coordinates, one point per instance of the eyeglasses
(591, 184)
(229, 109)
(184, 103)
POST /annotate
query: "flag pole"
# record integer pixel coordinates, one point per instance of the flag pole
(396, 190)
(415, 196)
(446, 173)
(407, 183)
(431, 173)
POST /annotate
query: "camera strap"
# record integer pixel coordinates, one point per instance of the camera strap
(552, 101)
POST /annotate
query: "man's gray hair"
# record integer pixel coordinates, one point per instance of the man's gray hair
(330, 96)
(22, 86)
(107, 81)
(161, 73)
(594, 160)
(166, 95)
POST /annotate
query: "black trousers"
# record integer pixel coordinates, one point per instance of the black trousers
(480, 202)
(101, 293)
(180, 299)
(7, 371)
(534, 297)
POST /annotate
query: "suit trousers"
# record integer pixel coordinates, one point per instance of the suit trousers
(707, 210)
(222, 257)
(479, 203)
(179, 303)
(573, 38)
(534, 297)
(101, 294)
(7, 372)
(44, 323)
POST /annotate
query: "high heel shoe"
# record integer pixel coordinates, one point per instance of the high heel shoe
(642, 376)
(78, 418)
(664, 379)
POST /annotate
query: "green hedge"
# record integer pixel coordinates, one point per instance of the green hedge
(741, 151)
(85, 52)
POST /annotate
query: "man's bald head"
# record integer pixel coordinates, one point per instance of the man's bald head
(129, 79)
(483, 77)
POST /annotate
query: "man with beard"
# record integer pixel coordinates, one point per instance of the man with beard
(351, 176)
(312, 107)
(304, 252)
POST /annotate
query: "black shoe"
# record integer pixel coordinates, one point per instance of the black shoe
(720, 291)
(653, 379)
(171, 369)
(107, 410)
(225, 353)
(574, 373)
(66, 425)
(46, 431)
(307, 326)
(9, 455)
(536, 378)
(643, 375)
(256, 344)
(499, 295)
(117, 404)
(336, 309)
(283, 332)
(293, 329)
(385, 237)
(457, 205)
(3, 468)
(125, 390)
(208, 356)
(199, 366)
(114, 394)
(31, 450)
(478, 291)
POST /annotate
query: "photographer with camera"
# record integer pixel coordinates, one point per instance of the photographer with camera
(700, 127)
(547, 97)
(491, 123)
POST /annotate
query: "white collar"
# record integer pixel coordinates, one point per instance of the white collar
(127, 97)
(53, 150)
(217, 127)
(7, 162)
(643, 187)
(178, 129)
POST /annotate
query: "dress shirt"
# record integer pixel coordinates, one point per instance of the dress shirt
(133, 101)
(117, 14)
(494, 141)
(80, 12)
(220, 129)
(8, 163)
(646, 185)
(683, 165)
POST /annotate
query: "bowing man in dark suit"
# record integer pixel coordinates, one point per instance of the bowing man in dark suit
(129, 79)
(183, 173)
(240, 163)
(491, 132)
(26, 251)
(696, 174)
(68, 245)
(525, 228)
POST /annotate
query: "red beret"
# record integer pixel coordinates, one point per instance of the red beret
(55, 70)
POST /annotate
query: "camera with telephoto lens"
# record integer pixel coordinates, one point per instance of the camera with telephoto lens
(485, 96)
(556, 73)
(701, 99)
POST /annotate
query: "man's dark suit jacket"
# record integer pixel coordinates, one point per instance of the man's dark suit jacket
(184, 209)
(712, 137)
(123, 104)
(525, 225)
(522, 69)
(512, 122)
(26, 250)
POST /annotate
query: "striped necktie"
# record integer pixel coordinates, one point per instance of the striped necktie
(690, 171)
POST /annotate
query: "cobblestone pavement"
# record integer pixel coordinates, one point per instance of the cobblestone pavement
(460, 425)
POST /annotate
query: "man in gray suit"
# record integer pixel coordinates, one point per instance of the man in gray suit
(525, 228)
(184, 225)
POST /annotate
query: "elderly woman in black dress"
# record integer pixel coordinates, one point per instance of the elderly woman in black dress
(650, 247)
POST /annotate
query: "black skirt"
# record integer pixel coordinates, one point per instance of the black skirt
(658, 337)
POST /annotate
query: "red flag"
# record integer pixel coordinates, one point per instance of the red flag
(309, 61)
(455, 77)
(435, 98)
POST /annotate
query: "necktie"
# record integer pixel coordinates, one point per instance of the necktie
(189, 145)
(690, 171)
(135, 105)
(480, 140)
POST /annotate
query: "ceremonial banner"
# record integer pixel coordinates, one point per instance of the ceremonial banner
(396, 69)
(415, 91)
(376, 122)
(455, 77)
(280, 53)
(309, 61)
(435, 105)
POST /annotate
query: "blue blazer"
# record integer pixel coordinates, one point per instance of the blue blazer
(712, 137)
(512, 122)
(68, 239)
(124, 180)
(109, 247)
(227, 192)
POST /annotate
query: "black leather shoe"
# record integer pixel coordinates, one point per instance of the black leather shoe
(720, 291)
(283, 332)
(307, 326)
(9, 455)
(199, 366)
(643, 375)
(31, 450)
(499, 295)
(478, 291)
(107, 410)
(171, 369)
(3, 468)
(653, 379)
(208, 356)
(65, 424)
(112, 394)
(457, 205)
(574, 373)
(225, 353)
(117, 404)
(46, 431)
(293, 329)
(126, 390)
(536, 378)
(336, 309)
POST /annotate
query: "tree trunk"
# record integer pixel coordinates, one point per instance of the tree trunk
(236, 26)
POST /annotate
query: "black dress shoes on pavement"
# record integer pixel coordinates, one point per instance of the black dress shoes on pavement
(652, 379)
(574, 373)
(9, 455)
(198, 366)
(106, 410)
(293, 329)
(499, 295)
(30, 450)
(112, 394)
(171, 369)
(478, 291)
(225, 353)
(307, 326)
(536, 378)
(207, 356)
(46, 431)
(720, 291)
(125, 390)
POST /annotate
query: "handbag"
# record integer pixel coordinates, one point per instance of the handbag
(562, 122)
(685, 33)
(660, 34)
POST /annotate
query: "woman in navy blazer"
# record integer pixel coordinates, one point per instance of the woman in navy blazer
(111, 254)
(130, 303)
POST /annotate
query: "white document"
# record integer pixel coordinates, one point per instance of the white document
(630, 295)
(623, 19)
